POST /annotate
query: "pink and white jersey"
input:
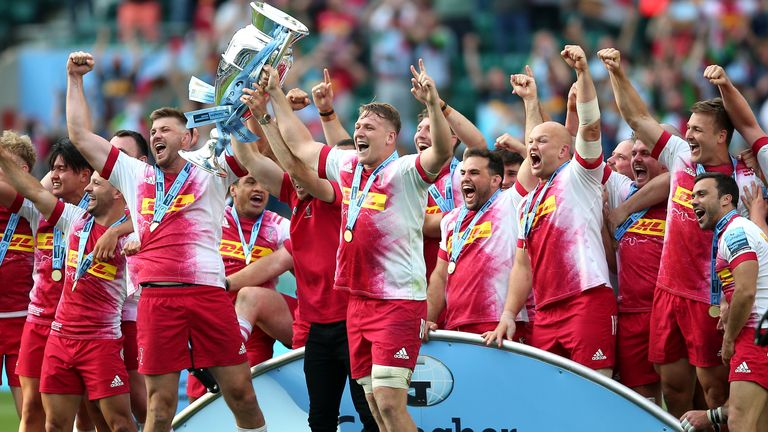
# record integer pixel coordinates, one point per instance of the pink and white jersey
(565, 243)
(274, 230)
(93, 309)
(46, 292)
(18, 264)
(472, 294)
(685, 259)
(740, 241)
(385, 259)
(130, 307)
(184, 247)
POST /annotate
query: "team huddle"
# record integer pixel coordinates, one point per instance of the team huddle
(651, 268)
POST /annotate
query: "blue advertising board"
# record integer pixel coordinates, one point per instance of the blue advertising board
(460, 385)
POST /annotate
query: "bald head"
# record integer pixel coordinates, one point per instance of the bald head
(621, 157)
(548, 147)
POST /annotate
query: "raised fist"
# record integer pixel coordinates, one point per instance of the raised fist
(716, 75)
(80, 63)
(611, 58)
(575, 57)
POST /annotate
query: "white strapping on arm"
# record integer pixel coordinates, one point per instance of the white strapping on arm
(589, 113)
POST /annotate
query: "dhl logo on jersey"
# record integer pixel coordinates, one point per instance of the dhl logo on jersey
(234, 249)
(683, 197)
(373, 201)
(181, 201)
(725, 277)
(484, 230)
(21, 243)
(433, 210)
(548, 206)
(655, 227)
(45, 241)
(99, 269)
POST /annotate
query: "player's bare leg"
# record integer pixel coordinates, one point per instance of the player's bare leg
(652, 392)
(746, 405)
(391, 404)
(117, 413)
(17, 399)
(32, 413)
(714, 382)
(237, 389)
(266, 309)
(60, 411)
(678, 381)
(138, 396)
(162, 398)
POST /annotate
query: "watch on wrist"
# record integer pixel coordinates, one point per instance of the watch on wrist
(265, 119)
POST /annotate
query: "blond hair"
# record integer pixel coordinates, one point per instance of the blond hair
(20, 145)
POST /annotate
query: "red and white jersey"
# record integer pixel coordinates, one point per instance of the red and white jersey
(760, 149)
(477, 294)
(18, 265)
(385, 259)
(565, 242)
(432, 245)
(273, 232)
(46, 292)
(94, 309)
(130, 306)
(313, 246)
(639, 250)
(184, 247)
(685, 259)
(740, 241)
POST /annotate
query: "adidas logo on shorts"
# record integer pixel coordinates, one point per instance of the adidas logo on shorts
(599, 355)
(242, 349)
(402, 354)
(117, 382)
(743, 368)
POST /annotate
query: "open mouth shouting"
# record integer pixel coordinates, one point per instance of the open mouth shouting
(160, 148)
(422, 145)
(362, 145)
(700, 213)
(535, 159)
(469, 192)
(695, 148)
(641, 173)
(257, 199)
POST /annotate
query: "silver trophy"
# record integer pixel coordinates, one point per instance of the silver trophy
(266, 41)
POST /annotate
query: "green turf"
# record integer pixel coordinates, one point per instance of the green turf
(9, 422)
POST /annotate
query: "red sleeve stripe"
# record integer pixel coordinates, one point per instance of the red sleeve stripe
(17, 203)
(234, 165)
(746, 256)
(322, 161)
(443, 255)
(520, 189)
(57, 212)
(660, 144)
(109, 164)
(589, 165)
(759, 144)
(422, 172)
(607, 171)
(520, 243)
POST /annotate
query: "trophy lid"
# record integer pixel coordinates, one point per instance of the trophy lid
(266, 17)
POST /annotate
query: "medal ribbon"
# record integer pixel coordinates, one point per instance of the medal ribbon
(530, 213)
(163, 201)
(459, 241)
(5, 243)
(445, 204)
(247, 247)
(84, 264)
(715, 285)
(58, 238)
(634, 217)
(355, 202)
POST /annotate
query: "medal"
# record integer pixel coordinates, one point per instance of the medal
(247, 246)
(348, 235)
(451, 267)
(714, 311)
(164, 201)
(357, 196)
(56, 275)
(153, 226)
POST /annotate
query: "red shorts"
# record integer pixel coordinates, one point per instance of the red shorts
(170, 320)
(130, 349)
(32, 349)
(749, 361)
(682, 328)
(632, 363)
(581, 328)
(384, 332)
(11, 329)
(73, 366)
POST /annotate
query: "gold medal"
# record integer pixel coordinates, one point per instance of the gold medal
(56, 275)
(451, 267)
(154, 226)
(714, 311)
(348, 236)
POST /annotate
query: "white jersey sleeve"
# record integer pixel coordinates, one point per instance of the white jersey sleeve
(618, 187)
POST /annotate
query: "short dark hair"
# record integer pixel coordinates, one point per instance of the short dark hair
(425, 114)
(165, 112)
(725, 184)
(716, 109)
(69, 153)
(508, 157)
(495, 164)
(384, 111)
(138, 138)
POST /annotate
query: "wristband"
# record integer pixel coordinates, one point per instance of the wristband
(327, 113)
(329, 117)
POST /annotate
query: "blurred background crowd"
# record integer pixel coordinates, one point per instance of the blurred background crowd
(146, 51)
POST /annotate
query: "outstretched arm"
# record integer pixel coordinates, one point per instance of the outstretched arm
(94, 148)
(520, 285)
(26, 185)
(423, 88)
(736, 106)
(322, 94)
(260, 167)
(262, 270)
(632, 108)
(317, 187)
(296, 135)
(588, 145)
(524, 85)
(656, 191)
